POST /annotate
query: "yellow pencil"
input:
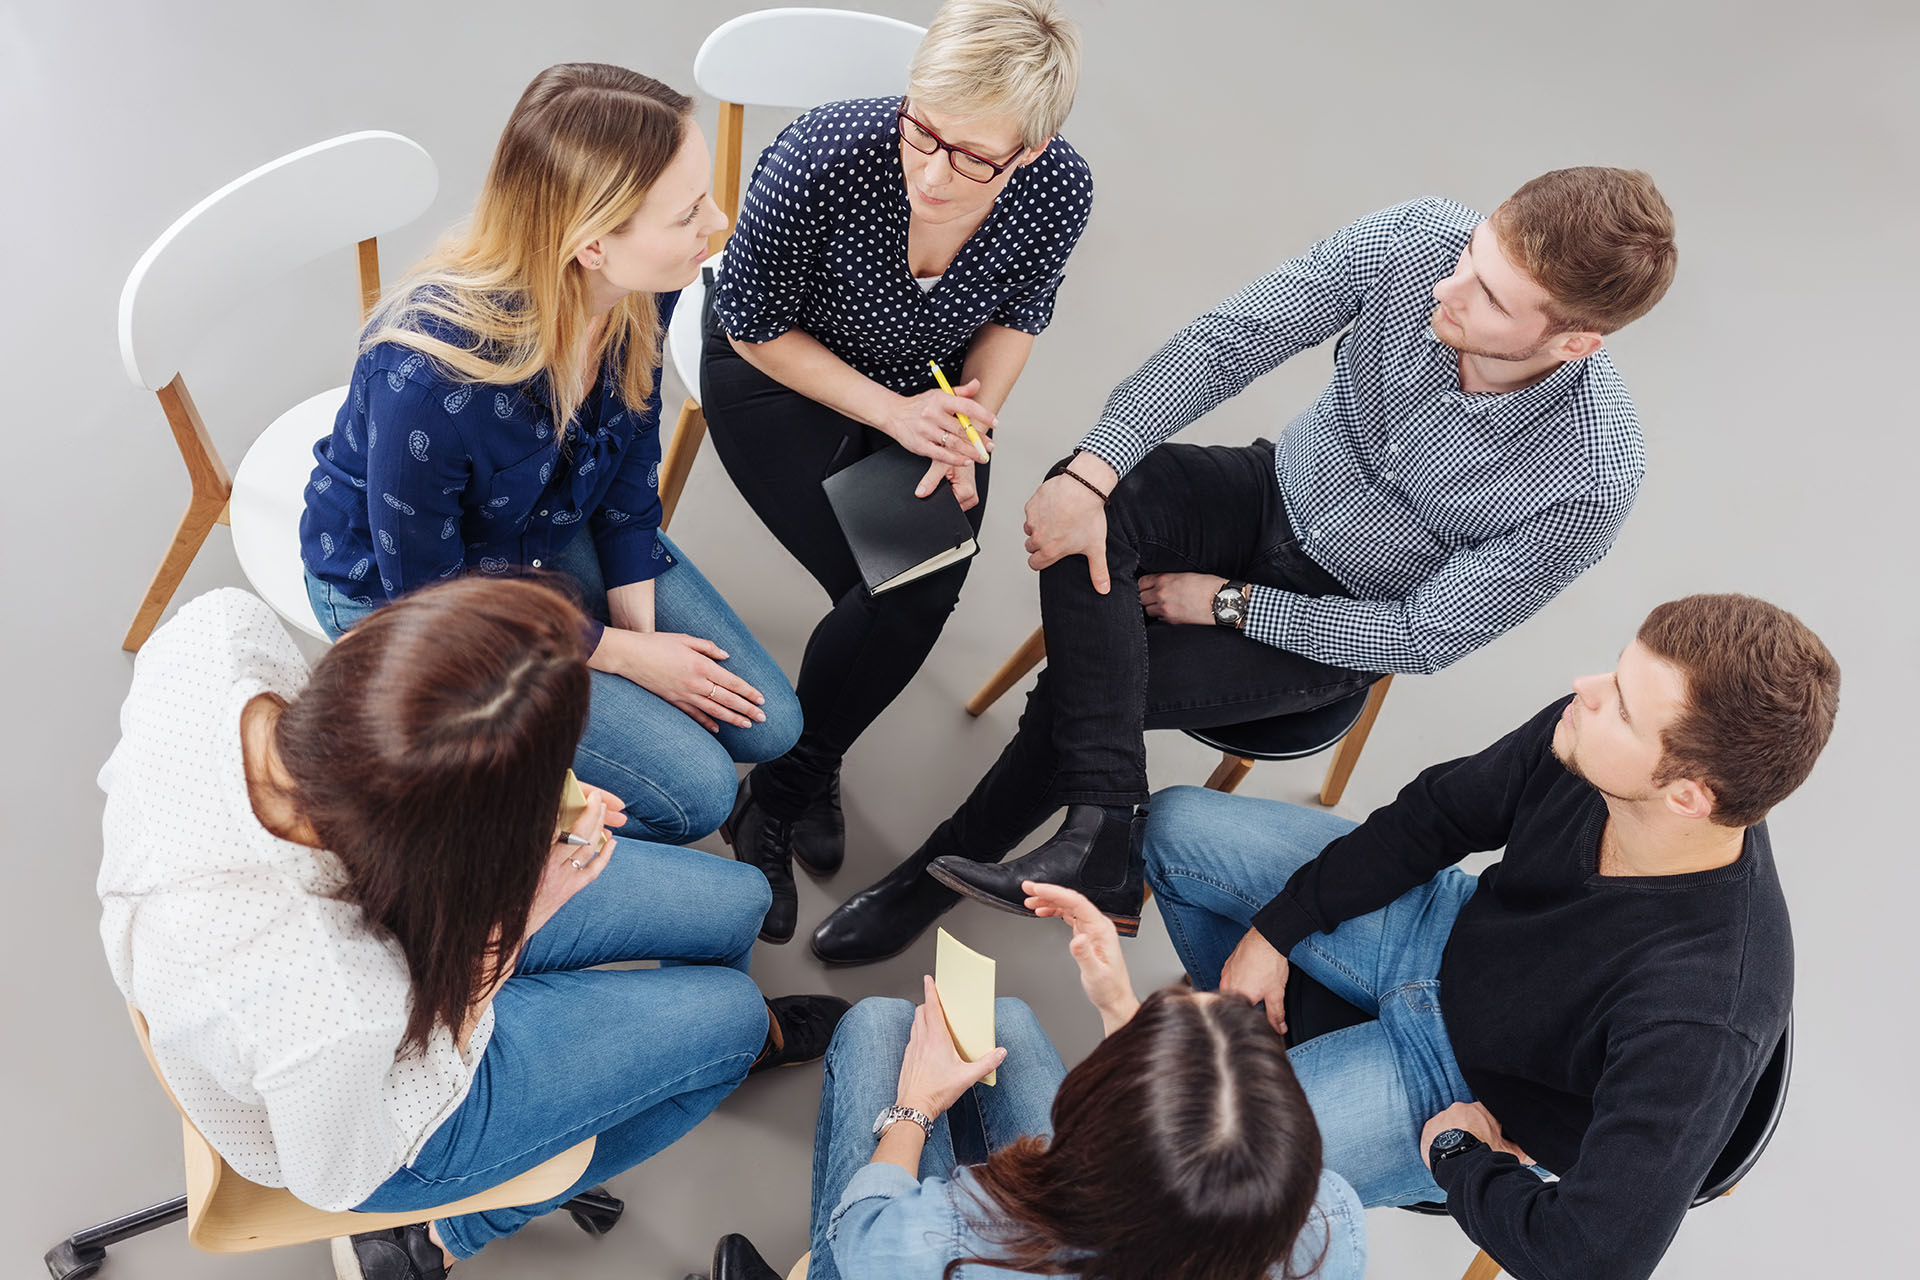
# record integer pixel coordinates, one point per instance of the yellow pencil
(965, 421)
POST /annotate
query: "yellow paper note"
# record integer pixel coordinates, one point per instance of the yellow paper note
(964, 979)
(573, 802)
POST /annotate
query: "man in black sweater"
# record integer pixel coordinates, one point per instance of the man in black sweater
(1612, 987)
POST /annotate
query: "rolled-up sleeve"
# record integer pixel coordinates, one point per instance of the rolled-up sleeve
(774, 251)
(885, 1221)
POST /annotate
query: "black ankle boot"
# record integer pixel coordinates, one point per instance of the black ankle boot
(394, 1253)
(820, 834)
(806, 1029)
(735, 1258)
(765, 842)
(1093, 852)
(884, 918)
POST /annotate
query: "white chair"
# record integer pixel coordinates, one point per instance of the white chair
(774, 58)
(222, 252)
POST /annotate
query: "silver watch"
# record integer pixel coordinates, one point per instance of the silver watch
(1230, 605)
(896, 1113)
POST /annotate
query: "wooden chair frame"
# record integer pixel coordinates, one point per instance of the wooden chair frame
(1232, 770)
(212, 483)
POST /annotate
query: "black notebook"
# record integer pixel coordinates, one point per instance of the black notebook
(895, 536)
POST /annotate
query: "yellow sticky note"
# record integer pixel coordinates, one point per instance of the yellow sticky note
(573, 802)
(964, 979)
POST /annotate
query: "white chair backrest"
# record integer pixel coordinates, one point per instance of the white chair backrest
(804, 57)
(258, 227)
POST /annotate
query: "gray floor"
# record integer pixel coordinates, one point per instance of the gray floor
(1774, 382)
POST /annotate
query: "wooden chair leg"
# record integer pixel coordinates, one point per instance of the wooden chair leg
(208, 506)
(681, 451)
(1347, 753)
(1031, 653)
(1482, 1268)
(1229, 773)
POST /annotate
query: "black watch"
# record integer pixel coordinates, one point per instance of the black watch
(1449, 1143)
(1230, 605)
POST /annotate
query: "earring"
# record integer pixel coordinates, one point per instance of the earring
(595, 264)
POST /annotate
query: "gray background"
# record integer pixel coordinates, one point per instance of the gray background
(1224, 137)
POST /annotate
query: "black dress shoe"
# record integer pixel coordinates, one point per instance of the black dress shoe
(884, 918)
(397, 1253)
(806, 1029)
(820, 834)
(764, 842)
(1094, 852)
(735, 1258)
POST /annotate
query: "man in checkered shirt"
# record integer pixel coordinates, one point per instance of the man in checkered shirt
(1473, 453)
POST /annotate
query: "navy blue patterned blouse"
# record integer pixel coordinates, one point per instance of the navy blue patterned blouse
(821, 246)
(425, 476)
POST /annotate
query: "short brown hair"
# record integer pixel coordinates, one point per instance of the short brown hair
(1761, 696)
(1599, 241)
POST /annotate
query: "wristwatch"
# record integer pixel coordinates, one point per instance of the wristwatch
(896, 1113)
(1230, 605)
(1449, 1143)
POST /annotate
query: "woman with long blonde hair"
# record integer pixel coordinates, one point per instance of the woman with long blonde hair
(506, 399)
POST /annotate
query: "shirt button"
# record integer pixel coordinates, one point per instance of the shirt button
(543, 511)
(1388, 477)
(1314, 534)
(536, 564)
(1393, 448)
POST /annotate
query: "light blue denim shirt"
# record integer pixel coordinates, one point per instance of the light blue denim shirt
(892, 1226)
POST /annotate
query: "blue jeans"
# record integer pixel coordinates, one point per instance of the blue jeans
(677, 779)
(631, 1057)
(862, 1077)
(1213, 861)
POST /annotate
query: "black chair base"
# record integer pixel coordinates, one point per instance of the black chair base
(596, 1210)
(1287, 737)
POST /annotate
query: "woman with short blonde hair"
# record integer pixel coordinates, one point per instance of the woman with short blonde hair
(506, 401)
(876, 236)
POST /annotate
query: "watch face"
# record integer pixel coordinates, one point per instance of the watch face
(1450, 1139)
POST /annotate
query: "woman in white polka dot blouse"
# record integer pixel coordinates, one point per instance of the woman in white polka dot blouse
(877, 235)
(363, 946)
(504, 414)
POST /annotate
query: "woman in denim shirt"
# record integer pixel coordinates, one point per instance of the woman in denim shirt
(1182, 1148)
(506, 400)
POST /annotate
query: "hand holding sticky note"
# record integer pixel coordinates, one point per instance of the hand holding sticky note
(964, 979)
(573, 802)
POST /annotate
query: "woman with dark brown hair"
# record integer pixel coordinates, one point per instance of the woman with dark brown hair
(1182, 1148)
(364, 945)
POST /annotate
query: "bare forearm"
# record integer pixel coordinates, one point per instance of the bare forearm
(901, 1145)
(997, 357)
(799, 361)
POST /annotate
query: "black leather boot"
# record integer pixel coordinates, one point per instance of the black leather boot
(1092, 852)
(805, 1025)
(884, 918)
(395, 1253)
(820, 834)
(765, 842)
(735, 1258)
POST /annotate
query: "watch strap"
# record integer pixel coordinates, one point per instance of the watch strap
(890, 1116)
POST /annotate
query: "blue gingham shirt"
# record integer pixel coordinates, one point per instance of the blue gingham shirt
(821, 246)
(890, 1225)
(1450, 516)
(425, 477)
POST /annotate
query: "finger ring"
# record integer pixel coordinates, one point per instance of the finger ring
(713, 687)
(577, 864)
(943, 439)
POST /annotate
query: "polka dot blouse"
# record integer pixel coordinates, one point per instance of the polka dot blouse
(275, 1011)
(821, 246)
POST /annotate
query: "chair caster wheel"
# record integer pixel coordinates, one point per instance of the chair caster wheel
(596, 1211)
(66, 1261)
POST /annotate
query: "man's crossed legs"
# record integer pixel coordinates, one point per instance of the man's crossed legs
(1214, 860)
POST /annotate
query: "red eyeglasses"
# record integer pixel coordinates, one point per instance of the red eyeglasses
(964, 162)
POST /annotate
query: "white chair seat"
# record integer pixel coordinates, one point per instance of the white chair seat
(269, 495)
(683, 331)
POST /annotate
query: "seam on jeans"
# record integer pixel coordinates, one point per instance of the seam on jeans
(1333, 962)
(589, 1127)
(1169, 872)
(680, 814)
(1407, 992)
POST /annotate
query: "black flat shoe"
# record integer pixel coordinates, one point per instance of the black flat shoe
(884, 918)
(819, 837)
(765, 842)
(735, 1258)
(1095, 853)
(806, 1028)
(397, 1253)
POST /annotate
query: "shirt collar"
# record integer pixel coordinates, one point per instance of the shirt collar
(1510, 409)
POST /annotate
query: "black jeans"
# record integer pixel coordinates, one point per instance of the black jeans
(778, 446)
(1112, 674)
